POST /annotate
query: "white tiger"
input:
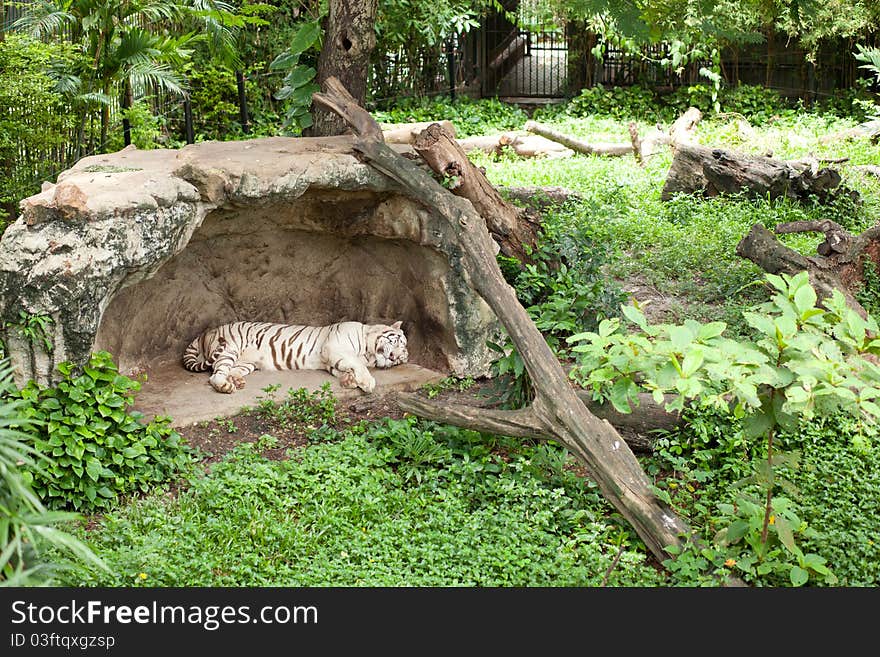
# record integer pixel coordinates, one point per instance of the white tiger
(345, 349)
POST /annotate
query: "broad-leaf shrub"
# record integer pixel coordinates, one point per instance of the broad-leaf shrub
(99, 448)
(564, 289)
(806, 362)
(27, 529)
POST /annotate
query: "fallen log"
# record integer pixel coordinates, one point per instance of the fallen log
(682, 131)
(406, 133)
(512, 228)
(713, 171)
(634, 428)
(866, 130)
(840, 264)
(577, 145)
(522, 145)
(870, 169)
(556, 408)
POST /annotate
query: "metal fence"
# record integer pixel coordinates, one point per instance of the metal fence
(521, 57)
(11, 12)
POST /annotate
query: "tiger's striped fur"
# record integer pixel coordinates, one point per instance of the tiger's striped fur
(345, 349)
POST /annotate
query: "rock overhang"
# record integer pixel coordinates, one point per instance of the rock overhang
(282, 229)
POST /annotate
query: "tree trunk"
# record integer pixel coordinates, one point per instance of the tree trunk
(126, 105)
(713, 171)
(557, 409)
(540, 198)
(681, 132)
(105, 119)
(243, 114)
(513, 229)
(870, 169)
(349, 39)
(866, 130)
(634, 427)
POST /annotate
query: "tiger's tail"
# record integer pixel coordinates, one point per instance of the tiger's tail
(193, 360)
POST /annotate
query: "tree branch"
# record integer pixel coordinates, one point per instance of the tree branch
(556, 407)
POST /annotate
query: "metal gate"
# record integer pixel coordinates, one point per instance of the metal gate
(520, 62)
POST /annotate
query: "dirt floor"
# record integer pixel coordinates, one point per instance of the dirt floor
(214, 438)
(187, 397)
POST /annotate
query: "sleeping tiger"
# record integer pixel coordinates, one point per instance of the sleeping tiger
(345, 349)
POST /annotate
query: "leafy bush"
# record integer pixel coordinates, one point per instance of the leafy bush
(27, 529)
(564, 289)
(758, 104)
(470, 117)
(98, 448)
(806, 362)
(633, 102)
(857, 103)
(298, 84)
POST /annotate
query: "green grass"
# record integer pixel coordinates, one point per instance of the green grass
(687, 247)
(356, 512)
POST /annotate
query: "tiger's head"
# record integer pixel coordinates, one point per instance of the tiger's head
(391, 346)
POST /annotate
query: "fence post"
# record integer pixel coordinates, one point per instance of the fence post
(242, 103)
(126, 105)
(450, 64)
(188, 120)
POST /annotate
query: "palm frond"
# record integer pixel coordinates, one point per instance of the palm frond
(43, 19)
(146, 75)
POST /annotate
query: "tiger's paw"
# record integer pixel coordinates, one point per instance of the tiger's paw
(366, 383)
(346, 380)
(237, 381)
(222, 384)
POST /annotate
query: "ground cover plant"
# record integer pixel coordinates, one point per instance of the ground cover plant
(397, 502)
(300, 491)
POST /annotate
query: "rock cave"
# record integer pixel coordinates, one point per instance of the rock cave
(137, 252)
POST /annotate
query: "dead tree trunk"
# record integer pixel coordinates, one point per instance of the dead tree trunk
(511, 228)
(713, 171)
(867, 130)
(682, 131)
(578, 145)
(522, 145)
(839, 265)
(557, 411)
(349, 39)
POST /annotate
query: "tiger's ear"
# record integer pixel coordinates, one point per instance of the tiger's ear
(397, 325)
